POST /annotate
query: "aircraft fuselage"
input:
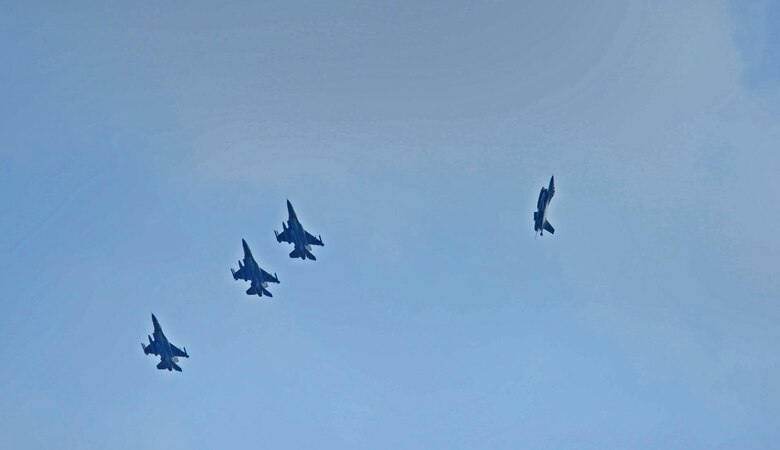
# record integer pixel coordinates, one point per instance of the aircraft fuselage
(540, 216)
(298, 235)
(163, 346)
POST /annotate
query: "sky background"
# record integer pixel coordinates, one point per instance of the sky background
(140, 141)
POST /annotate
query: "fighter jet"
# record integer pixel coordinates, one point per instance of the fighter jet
(540, 216)
(293, 233)
(250, 271)
(169, 354)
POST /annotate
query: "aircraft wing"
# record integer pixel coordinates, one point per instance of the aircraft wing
(151, 349)
(539, 200)
(267, 276)
(284, 236)
(177, 352)
(240, 274)
(313, 240)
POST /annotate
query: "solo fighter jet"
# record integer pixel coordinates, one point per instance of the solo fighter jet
(250, 271)
(169, 354)
(293, 233)
(540, 216)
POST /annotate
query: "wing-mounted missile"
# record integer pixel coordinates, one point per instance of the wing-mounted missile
(144, 347)
(276, 233)
(184, 349)
(277, 278)
(150, 339)
(320, 238)
(234, 273)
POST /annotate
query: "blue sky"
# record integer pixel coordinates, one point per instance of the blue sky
(140, 143)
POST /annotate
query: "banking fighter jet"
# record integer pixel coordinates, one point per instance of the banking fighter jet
(293, 233)
(169, 354)
(540, 216)
(250, 271)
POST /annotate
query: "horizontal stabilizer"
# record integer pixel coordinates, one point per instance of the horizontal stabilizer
(296, 254)
(310, 255)
(548, 228)
(253, 290)
(176, 367)
(536, 213)
(162, 365)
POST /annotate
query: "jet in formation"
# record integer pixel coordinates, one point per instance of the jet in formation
(250, 271)
(169, 354)
(540, 216)
(293, 233)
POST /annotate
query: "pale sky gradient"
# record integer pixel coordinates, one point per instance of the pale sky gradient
(140, 141)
